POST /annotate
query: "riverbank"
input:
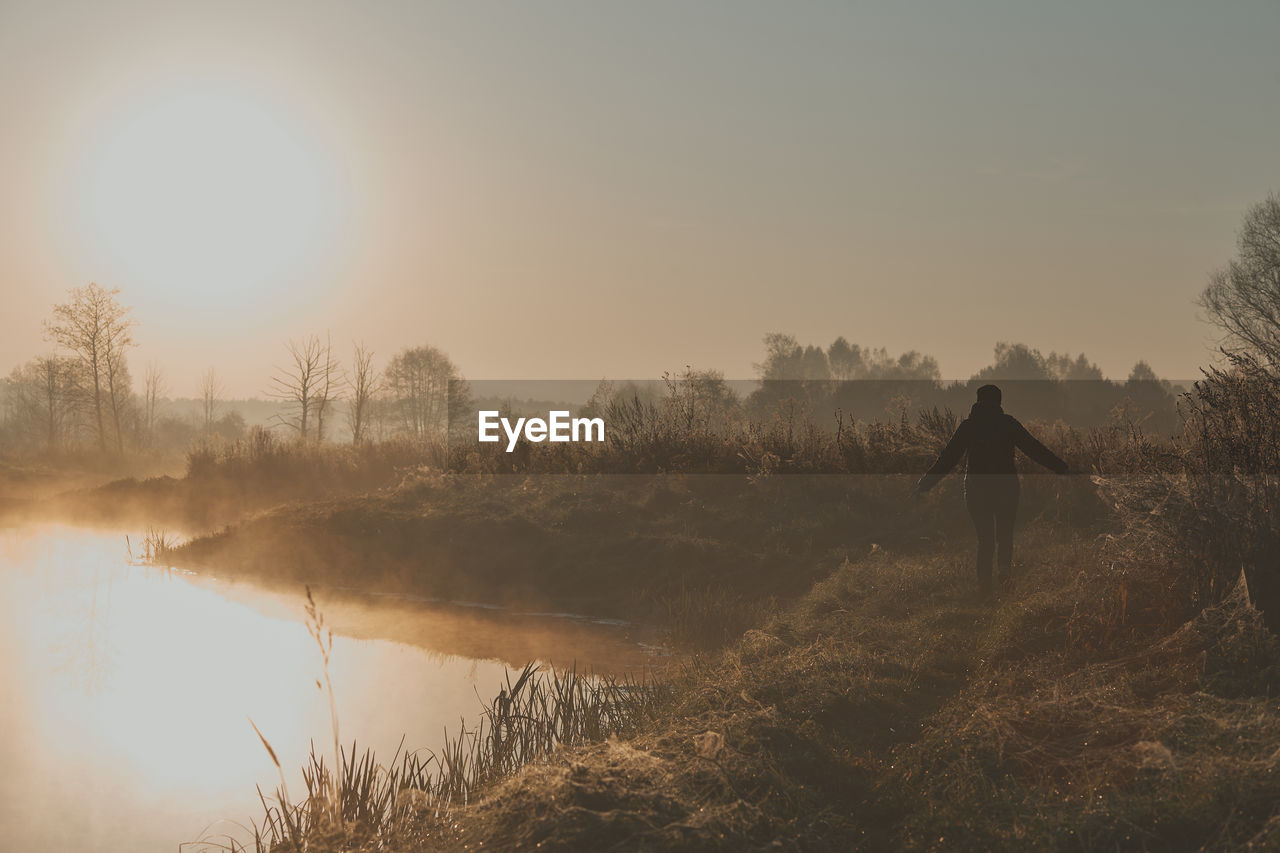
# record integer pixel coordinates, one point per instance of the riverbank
(708, 556)
(28, 486)
(890, 709)
(214, 485)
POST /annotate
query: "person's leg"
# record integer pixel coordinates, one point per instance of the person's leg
(1005, 508)
(984, 524)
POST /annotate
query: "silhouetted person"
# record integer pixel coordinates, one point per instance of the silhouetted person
(989, 437)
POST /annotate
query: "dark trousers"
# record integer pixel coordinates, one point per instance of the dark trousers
(993, 505)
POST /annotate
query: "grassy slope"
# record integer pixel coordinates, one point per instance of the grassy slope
(26, 486)
(704, 552)
(215, 485)
(889, 709)
(192, 503)
(609, 546)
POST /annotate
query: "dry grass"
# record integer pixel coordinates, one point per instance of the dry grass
(784, 440)
(890, 709)
(157, 546)
(408, 801)
(1206, 503)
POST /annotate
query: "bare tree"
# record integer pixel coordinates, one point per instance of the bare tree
(1244, 298)
(44, 398)
(119, 392)
(211, 394)
(298, 384)
(153, 387)
(363, 384)
(418, 379)
(330, 380)
(700, 399)
(381, 417)
(97, 330)
(52, 374)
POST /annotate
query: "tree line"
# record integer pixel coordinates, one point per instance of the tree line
(843, 383)
(410, 397)
(846, 380)
(82, 395)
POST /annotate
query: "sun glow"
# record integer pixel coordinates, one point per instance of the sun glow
(209, 197)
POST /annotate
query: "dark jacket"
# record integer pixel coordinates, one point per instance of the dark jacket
(989, 437)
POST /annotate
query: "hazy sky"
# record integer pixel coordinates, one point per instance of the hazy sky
(602, 188)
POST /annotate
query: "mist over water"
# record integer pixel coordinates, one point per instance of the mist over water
(129, 689)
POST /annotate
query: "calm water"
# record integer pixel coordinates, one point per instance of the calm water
(126, 692)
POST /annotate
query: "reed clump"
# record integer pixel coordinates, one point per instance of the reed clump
(157, 546)
(368, 805)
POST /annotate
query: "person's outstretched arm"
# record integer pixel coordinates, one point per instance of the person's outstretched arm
(947, 459)
(1030, 445)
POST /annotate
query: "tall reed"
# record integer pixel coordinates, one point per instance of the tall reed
(356, 800)
(368, 803)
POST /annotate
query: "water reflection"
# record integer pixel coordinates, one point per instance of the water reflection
(128, 690)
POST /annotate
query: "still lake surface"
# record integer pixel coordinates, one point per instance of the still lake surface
(126, 691)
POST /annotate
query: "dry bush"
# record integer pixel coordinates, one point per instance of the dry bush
(1204, 507)
(263, 458)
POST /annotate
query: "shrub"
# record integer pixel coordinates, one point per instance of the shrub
(1204, 505)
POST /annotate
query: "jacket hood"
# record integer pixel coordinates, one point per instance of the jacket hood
(985, 410)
